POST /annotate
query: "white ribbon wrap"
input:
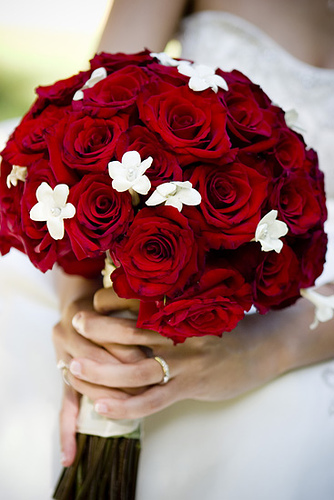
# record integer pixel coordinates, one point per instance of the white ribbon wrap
(90, 422)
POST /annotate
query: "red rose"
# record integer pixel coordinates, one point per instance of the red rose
(295, 197)
(166, 74)
(61, 93)
(277, 280)
(251, 116)
(102, 214)
(27, 143)
(84, 144)
(164, 168)
(192, 124)
(117, 92)
(89, 268)
(311, 253)
(113, 62)
(290, 149)
(158, 256)
(212, 307)
(232, 197)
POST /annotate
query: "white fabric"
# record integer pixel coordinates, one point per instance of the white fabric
(275, 443)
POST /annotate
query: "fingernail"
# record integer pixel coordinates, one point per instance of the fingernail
(62, 458)
(101, 408)
(75, 368)
(77, 322)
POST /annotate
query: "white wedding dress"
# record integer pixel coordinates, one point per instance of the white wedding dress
(275, 443)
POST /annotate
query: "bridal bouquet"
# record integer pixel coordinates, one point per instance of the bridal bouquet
(188, 177)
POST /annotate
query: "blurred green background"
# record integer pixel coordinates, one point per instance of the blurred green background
(42, 41)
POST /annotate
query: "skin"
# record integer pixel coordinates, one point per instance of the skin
(110, 360)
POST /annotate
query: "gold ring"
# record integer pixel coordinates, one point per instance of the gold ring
(165, 369)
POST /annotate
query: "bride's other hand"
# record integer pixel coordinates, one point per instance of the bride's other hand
(204, 368)
(77, 295)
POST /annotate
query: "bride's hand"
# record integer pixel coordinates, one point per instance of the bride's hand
(205, 368)
(68, 344)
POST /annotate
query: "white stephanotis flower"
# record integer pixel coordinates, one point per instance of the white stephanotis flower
(324, 306)
(292, 120)
(165, 59)
(175, 194)
(52, 208)
(96, 76)
(109, 268)
(17, 174)
(202, 77)
(129, 174)
(268, 232)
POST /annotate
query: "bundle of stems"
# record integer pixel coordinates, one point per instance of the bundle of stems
(104, 469)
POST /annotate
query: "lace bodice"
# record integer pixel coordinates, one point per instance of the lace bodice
(224, 40)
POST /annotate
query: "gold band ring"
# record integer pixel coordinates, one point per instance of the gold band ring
(165, 369)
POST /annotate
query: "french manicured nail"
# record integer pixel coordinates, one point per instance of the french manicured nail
(101, 408)
(75, 368)
(77, 322)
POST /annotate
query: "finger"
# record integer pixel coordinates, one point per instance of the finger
(154, 399)
(106, 300)
(141, 374)
(104, 329)
(68, 418)
(94, 391)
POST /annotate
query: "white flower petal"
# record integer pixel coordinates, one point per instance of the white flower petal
(142, 185)
(324, 306)
(121, 184)
(198, 84)
(78, 96)
(220, 82)
(278, 229)
(60, 195)
(115, 168)
(56, 228)
(43, 192)
(39, 212)
(165, 59)
(190, 197)
(131, 159)
(97, 75)
(167, 189)
(186, 68)
(145, 164)
(173, 201)
(155, 199)
(68, 211)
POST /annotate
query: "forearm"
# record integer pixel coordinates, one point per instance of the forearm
(135, 25)
(289, 334)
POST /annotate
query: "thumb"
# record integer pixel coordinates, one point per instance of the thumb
(106, 300)
(68, 420)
